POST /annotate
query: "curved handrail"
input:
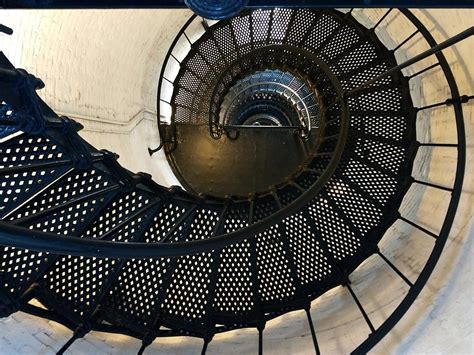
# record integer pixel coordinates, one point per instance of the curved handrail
(216, 127)
(46, 242)
(160, 81)
(423, 277)
(293, 93)
(91, 247)
(19, 237)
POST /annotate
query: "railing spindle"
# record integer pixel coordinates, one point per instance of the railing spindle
(461, 99)
(313, 333)
(405, 40)
(173, 56)
(361, 309)
(444, 188)
(433, 50)
(394, 268)
(424, 230)
(260, 341)
(204, 347)
(383, 18)
(423, 71)
(448, 145)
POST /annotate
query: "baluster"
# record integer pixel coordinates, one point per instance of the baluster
(361, 309)
(168, 80)
(204, 347)
(260, 340)
(423, 70)
(461, 100)
(433, 50)
(6, 30)
(394, 268)
(449, 145)
(313, 333)
(383, 18)
(187, 38)
(433, 185)
(174, 57)
(80, 332)
(146, 342)
(424, 230)
(405, 40)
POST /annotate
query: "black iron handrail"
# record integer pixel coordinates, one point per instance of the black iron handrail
(433, 50)
(19, 237)
(216, 128)
(254, 4)
(90, 247)
(160, 84)
(442, 237)
(40, 241)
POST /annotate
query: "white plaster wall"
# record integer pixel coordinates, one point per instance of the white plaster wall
(101, 67)
(111, 60)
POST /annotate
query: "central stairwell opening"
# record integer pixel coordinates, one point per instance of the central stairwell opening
(296, 136)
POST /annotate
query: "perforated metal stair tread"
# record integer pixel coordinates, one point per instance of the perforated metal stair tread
(283, 268)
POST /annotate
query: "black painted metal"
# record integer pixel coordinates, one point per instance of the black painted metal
(394, 268)
(277, 240)
(433, 50)
(40, 241)
(313, 333)
(453, 204)
(173, 4)
(226, 173)
(162, 77)
(361, 309)
(5, 29)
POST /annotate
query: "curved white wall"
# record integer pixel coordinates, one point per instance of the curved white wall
(102, 67)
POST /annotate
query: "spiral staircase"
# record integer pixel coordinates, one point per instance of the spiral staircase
(101, 248)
